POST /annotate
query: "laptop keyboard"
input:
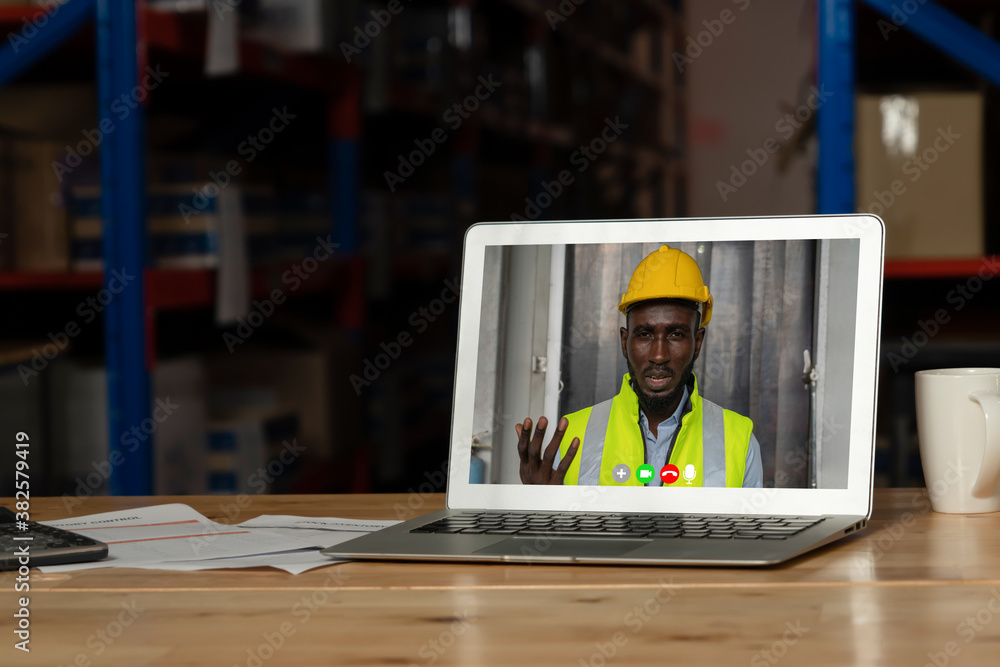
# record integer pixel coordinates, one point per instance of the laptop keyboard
(620, 525)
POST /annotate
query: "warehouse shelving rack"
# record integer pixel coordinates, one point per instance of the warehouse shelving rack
(836, 185)
(835, 124)
(124, 30)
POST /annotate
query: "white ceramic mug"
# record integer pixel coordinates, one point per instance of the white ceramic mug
(958, 424)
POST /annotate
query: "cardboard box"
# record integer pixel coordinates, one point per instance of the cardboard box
(299, 381)
(32, 210)
(920, 168)
(65, 112)
(252, 451)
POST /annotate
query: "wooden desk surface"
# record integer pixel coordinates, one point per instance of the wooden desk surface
(915, 587)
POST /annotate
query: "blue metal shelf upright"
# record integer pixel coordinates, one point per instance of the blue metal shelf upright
(122, 210)
(835, 123)
(835, 120)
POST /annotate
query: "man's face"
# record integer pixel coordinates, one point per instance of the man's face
(660, 342)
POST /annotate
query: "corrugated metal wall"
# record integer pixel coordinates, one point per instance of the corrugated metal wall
(752, 358)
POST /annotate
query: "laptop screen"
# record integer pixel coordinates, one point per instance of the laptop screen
(719, 357)
(725, 361)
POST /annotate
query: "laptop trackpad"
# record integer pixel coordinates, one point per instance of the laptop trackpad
(530, 547)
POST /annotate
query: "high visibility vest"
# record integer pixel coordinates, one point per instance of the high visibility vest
(709, 437)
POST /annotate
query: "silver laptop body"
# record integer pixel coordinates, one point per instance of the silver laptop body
(496, 380)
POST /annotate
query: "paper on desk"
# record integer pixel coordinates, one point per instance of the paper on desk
(294, 562)
(316, 523)
(173, 532)
(326, 532)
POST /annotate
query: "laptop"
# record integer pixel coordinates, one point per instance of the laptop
(789, 353)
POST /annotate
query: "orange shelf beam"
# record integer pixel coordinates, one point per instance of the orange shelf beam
(50, 280)
(942, 268)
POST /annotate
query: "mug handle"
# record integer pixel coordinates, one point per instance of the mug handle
(989, 471)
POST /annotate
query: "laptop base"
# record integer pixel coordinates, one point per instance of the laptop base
(399, 543)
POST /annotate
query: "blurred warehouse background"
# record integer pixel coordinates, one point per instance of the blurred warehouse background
(289, 181)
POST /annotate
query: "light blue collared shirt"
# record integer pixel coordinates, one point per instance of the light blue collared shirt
(656, 449)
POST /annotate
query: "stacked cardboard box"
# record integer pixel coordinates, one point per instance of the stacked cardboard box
(294, 382)
(182, 233)
(254, 451)
(299, 216)
(920, 168)
(33, 232)
(184, 224)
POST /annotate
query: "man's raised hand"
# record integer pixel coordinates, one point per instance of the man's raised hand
(536, 468)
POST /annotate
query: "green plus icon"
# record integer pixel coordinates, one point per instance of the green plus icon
(645, 473)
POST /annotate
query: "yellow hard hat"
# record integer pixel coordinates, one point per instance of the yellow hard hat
(668, 273)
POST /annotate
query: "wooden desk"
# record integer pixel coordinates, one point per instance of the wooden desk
(904, 588)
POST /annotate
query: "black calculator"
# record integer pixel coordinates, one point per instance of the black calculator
(48, 545)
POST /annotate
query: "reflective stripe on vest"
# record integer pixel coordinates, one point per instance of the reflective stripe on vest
(706, 435)
(590, 458)
(713, 455)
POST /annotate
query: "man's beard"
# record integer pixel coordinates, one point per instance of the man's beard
(656, 404)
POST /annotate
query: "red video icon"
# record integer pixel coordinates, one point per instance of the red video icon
(669, 473)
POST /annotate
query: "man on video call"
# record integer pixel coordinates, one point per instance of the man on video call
(658, 417)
